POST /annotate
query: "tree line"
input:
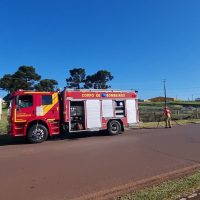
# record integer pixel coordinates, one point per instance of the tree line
(27, 78)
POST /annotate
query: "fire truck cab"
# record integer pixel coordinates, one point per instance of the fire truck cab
(37, 115)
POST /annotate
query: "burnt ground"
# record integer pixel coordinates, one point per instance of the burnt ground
(95, 165)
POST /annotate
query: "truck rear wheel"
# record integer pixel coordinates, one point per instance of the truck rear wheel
(114, 127)
(37, 133)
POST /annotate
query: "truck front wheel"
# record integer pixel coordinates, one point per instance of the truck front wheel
(37, 133)
(114, 127)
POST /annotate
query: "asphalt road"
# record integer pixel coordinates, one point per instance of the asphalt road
(71, 168)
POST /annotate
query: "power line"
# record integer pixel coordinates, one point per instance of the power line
(165, 93)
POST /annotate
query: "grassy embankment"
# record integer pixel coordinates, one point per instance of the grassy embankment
(3, 122)
(182, 112)
(170, 190)
(174, 123)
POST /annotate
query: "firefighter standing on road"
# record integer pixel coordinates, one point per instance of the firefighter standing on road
(167, 114)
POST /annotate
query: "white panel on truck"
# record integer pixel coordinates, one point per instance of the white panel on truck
(107, 108)
(93, 114)
(131, 111)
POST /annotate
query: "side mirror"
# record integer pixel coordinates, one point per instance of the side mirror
(18, 103)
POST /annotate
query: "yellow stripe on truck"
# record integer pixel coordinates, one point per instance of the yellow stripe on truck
(47, 108)
(15, 117)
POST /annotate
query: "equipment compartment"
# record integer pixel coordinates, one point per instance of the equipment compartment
(77, 115)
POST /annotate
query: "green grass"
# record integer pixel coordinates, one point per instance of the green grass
(174, 123)
(169, 190)
(3, 122)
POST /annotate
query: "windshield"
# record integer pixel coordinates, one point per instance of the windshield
(10, 103)
(24, 101)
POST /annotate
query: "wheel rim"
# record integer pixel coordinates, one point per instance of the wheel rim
(38, 134)
(114, 128)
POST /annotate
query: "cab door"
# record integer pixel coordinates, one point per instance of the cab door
(50, 111)
(50, 106)
(24, 108)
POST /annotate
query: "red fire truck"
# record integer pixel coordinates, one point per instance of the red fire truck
(37, 115)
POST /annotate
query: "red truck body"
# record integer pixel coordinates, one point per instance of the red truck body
(38, 115)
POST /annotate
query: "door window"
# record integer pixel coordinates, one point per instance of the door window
(46, 99)
(25, 101)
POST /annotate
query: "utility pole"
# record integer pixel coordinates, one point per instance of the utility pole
(164, 81)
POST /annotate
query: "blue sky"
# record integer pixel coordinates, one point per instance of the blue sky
(141, 42)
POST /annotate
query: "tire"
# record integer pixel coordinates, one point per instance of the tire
(114, 127)
(37, 133)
